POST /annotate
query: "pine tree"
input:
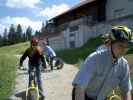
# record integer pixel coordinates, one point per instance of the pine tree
(43, 27)
(5, 37)
(1, 41)
(19, 33)
(12, 35)
(24, 37)
(28, 33)
(37, 33)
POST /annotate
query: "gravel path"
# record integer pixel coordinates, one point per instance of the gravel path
(56, 83)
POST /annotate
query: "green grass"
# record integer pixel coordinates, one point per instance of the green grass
(7, 75)
(8, 64)
(14, 49)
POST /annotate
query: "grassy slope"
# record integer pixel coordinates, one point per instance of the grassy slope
(7, 74)
(8, 64)
(14, 49)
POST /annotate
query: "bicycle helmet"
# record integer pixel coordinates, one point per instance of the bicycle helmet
(120, 33)
(34, 41)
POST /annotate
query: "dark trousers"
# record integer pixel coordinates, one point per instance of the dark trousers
(86, 97)
(38, 77)
(51, 62)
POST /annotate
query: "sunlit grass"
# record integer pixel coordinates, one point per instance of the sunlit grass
(7, 75)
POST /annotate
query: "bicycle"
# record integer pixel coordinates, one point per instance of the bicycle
(56, 62)
(32, 92)
(114, 96)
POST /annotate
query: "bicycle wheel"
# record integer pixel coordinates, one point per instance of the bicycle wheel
(115, 98)
(59, 63)
(32, 95)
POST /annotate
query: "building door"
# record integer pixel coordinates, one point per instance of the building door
(72, 44)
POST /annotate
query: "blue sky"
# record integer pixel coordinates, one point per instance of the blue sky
(31, 12)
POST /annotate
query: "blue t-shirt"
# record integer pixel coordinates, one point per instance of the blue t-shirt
(98, 76)
(49, 52)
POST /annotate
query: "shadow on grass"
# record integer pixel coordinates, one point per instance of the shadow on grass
(22, 73)
(21, 95)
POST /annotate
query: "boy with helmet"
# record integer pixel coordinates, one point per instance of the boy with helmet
(105, 69)
(35, 55)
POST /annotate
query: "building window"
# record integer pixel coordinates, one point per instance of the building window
(119, 12)
(72, 44)
(73, 28)
(71, 35)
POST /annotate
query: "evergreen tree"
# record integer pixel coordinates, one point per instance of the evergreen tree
(28, 33)
(12, 35)
(42, 28)
(1, 40)
(5, 37)
(37, 33)
(24, 37)
(19, 33)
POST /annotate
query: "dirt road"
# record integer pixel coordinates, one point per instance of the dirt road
(56, 83)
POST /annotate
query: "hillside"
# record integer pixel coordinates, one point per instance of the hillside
(14, 49)
(8, 62)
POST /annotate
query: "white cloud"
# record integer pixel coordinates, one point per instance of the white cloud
(54, 10)
(22, 3)
(2, 27)
(23, 21)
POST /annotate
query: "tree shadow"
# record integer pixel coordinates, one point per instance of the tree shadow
(21, 95)
(23, 73)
